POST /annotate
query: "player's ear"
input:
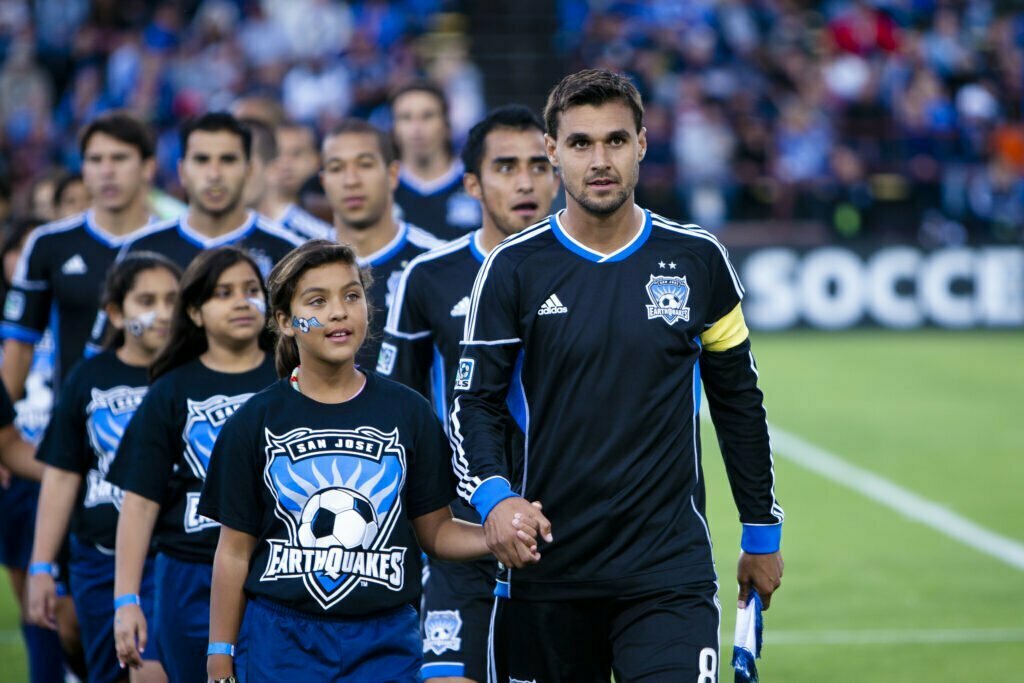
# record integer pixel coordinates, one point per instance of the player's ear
(393, 169)
(471, 183)
(642, 142)
(551, 147)
(149, 170)
(284, 324)
(115, 315)
(196, 316)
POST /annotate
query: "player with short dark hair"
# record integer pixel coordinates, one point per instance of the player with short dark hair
(327, 484)
(264, 191)
(430, 191)
(508, 171)
(58, 278)
(217, 357)
(97, 403)
(603, 312)
(70, 196)
(359, 175)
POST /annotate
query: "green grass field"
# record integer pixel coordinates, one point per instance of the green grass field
(868, 594)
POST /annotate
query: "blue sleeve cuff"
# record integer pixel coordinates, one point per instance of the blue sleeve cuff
(488, 494)
(19, 333)
(761, 539)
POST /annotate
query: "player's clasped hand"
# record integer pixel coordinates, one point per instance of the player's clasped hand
(130, 635)
(763, 572)
(42, 601)
(512, 528)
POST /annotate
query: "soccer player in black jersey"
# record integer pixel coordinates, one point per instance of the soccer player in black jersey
(604, 311)
(430, 191)
(60, 272)
(216, 359)
(97, 403)
(359, 176)
(264, 192)
(508, 171)
(214, 167)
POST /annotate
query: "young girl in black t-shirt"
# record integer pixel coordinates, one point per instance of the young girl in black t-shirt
(97, 401)
(216, 359)
(327, 484)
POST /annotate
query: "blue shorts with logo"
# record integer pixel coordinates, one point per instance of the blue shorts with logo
(281, 644)
(91, 580)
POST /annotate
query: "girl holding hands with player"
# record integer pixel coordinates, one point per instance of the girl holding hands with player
(216, 359)
(326, 485)
(97, 401)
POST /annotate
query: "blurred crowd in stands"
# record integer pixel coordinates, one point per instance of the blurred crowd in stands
(889, 119)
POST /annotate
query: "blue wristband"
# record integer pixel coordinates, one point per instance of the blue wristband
(126, 599)
(221, 649)
(42, 568)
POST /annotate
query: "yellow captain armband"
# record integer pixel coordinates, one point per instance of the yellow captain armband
(728, 332)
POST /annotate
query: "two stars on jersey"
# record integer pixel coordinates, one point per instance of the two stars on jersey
(338, 493)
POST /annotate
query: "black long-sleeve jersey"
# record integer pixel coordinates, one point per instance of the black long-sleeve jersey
(57, 283)
(607, 347)
(441, 205)
(305, 225)
(387, 265)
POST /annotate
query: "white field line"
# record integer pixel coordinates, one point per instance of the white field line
(895, 637)
(909, 504)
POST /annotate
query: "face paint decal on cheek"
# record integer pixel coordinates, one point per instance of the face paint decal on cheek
(304, 324)
(259, 304)
(138, 325)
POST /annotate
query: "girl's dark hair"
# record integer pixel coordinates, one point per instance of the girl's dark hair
(284, 278)
(188, 341)
(121, 278)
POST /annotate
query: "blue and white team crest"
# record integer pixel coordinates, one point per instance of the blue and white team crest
(339, 493)
(109, 412)
(33, 411)
(441, 631)
(669, 295)
(205, 418)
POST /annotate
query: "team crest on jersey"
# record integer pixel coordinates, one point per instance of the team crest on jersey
(205, 418)
(14, 305)
(669, 295)
(441, 631)
(109, 412)
(339, 494)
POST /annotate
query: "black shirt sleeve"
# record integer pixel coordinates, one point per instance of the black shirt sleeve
(7, 413)
(232, 491)
(150, 447)
(65, 443)
(27, 308)
(431, 484)
(406, 354)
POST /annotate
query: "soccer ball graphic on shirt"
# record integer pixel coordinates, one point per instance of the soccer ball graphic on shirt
(338, 516)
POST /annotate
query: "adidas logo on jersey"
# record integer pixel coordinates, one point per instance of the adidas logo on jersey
(74, 266)
(552, 306)
(461, 309)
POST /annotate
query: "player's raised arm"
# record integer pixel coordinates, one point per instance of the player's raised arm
(729, 375)
(491, 344)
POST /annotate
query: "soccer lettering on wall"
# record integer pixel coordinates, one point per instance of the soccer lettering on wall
(338, 493)
(898, 287)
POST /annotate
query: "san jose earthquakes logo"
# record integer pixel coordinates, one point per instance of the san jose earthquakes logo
(338, 492)
(669, 295)
(441, 631)
(109, 412)
(205, 419)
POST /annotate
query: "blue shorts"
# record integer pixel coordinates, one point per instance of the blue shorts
(284, 645)
(17, 522)
(183, 617)
(92, 590)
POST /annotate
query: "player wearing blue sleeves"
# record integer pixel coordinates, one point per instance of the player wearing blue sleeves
(327, 484)
(216, 359)
(97, 402)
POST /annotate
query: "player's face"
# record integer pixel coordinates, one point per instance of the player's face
(145, 314)
(357, 182)
(420, 129)
(75, 199)
(598, 153)
(297, 160)
(333, 296)
(214, 171)
(517, 182)
(230, 316)
(114, 173)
